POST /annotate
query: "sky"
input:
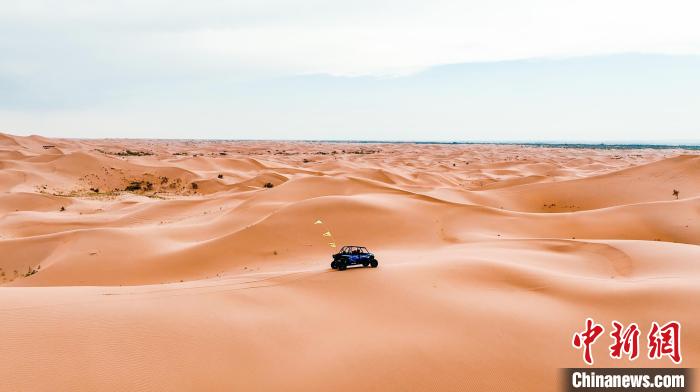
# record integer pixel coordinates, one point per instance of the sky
(497, 70)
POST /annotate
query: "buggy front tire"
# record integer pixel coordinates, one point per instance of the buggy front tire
(373, 263)
(333, 264)
(342, 266)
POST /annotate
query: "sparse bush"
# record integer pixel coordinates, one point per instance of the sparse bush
(63, 208)
(30, 272)
(139, 186)
(220, 176)
(268, 185)
(133, 153)
(96, 190)
(676, 193)
(195, 185)
(133, 186)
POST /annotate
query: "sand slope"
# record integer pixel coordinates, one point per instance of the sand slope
(169, 265)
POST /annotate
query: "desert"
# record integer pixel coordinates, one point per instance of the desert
(164, 265)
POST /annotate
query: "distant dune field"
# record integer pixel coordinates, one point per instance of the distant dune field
(196, 265)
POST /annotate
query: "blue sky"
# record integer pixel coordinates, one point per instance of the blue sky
(412, 70)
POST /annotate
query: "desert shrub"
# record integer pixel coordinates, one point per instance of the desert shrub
(30, 272)
(133, 153)
(63, 208)
(133, 186)
(268, 185)
(195, 185)
(139, 186)
(220, 176)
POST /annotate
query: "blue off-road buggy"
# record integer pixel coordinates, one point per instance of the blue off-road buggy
(353, 255)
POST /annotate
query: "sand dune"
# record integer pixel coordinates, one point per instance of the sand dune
(650, 182)
(185, 265)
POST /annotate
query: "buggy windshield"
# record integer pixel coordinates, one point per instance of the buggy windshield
(354, 249)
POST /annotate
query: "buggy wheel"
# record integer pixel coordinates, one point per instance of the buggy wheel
(365, 264)
(333, 264)
(373, 263)
(342, 266)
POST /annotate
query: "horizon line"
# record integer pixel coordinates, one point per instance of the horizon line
(670, 143)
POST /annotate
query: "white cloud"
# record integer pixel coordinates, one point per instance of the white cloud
(220, 68)
(244, 38)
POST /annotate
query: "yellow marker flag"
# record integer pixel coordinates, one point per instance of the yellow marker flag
(331, 244)
(327, 234)
(318, 222)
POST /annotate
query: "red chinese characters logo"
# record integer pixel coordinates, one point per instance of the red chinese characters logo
(665, 340)
(625, 341)
(586, 339)
(662, 340)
